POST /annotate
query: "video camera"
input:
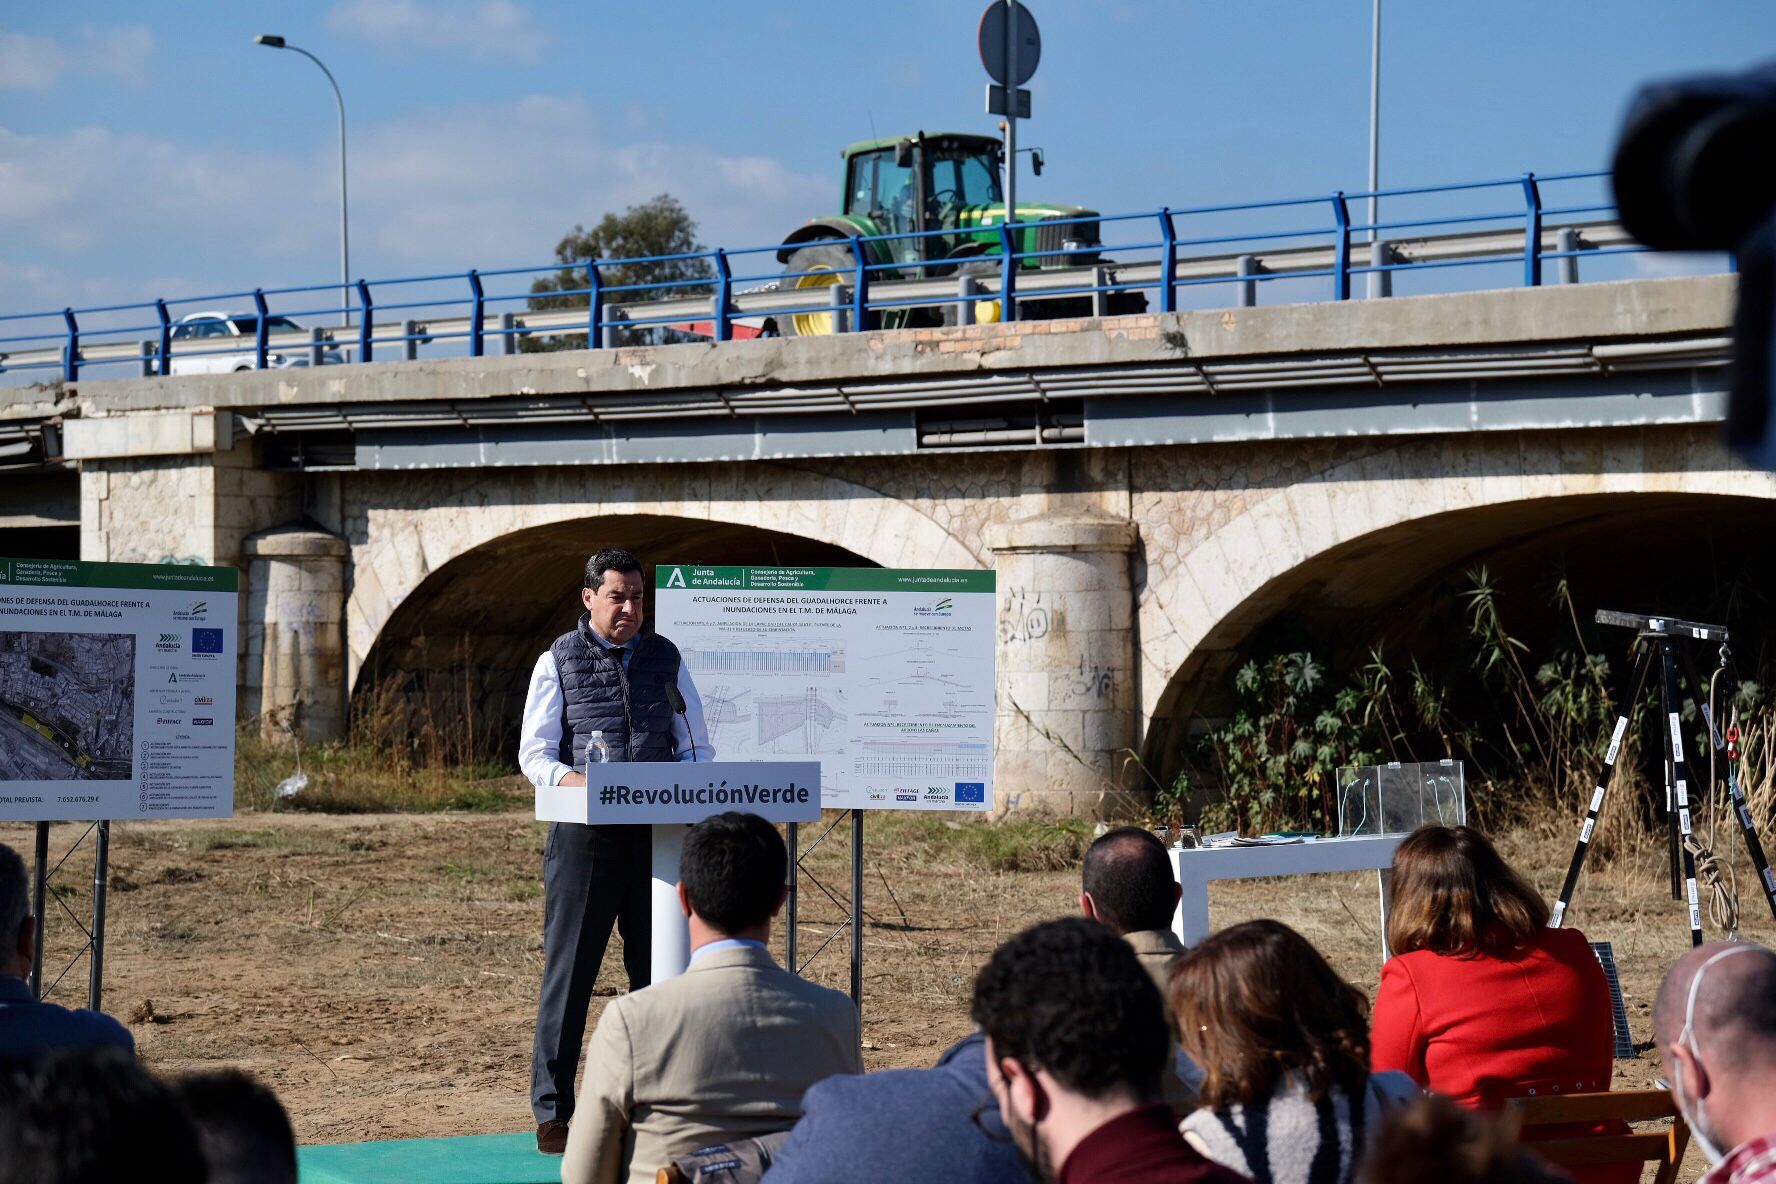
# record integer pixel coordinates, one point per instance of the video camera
(1695, 170)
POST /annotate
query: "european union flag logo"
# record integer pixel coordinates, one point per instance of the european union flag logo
(971, 791)
(206, 641)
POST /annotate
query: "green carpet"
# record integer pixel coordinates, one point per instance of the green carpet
(470, 1159)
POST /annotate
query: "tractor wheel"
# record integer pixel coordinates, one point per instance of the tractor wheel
(987, 310)
(815, 266)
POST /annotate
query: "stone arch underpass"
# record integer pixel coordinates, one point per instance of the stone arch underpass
(1370, 546)
(456, 587)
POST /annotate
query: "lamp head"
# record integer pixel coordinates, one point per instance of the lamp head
(272, 40)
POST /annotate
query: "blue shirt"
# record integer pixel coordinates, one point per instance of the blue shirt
(623, 651)
(29, 1028)
(726, 943)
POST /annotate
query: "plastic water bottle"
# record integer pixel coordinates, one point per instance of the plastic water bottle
(598, 752)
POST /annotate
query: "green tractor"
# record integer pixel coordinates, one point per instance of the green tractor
(948, 183)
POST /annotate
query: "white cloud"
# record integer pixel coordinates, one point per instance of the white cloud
(454, 189)
(29, 62)
(486, 28)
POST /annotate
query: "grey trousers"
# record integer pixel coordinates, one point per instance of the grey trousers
(592, 876)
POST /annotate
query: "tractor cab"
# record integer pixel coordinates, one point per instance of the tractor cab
(943, 193)
(924, 183)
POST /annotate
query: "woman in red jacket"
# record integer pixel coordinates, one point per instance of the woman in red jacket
(1481, 1002)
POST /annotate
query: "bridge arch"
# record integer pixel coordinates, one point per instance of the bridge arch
(468, 581)
(1368, 532)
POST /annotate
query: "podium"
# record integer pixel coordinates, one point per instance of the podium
(669, 796)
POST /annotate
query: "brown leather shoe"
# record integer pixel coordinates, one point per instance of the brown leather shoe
(552, 1137)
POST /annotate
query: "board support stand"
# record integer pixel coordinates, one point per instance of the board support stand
(791, 921)
(94, 930)
(101, 868)
(857, 912)
(39, 899)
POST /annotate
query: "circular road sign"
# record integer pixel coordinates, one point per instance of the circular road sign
(994, 25)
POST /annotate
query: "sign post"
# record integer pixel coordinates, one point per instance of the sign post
(1010, 47)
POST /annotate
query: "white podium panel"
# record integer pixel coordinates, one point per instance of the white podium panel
(1195, 867)
(650, 792)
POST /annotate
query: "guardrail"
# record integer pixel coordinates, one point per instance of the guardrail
(1250, 248)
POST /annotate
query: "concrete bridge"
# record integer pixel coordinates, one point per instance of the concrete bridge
(1153, 490)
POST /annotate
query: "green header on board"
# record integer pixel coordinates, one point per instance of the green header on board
(823, 579)
(151, 577)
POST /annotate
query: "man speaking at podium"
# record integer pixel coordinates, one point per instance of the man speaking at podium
(604, 676)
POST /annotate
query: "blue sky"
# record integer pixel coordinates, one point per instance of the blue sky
(152, 149)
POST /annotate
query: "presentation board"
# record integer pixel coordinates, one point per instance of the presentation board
(884, 676)
(117, 686)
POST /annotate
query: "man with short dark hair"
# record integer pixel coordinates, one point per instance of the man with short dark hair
(1127, 884)
(1076, 1043)
(723, 1052)
(28, 1026)
(245, 1132)
(607, 681)
(1714, 1021)
(93, 1116)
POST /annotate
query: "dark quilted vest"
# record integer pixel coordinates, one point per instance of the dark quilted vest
(634, 710)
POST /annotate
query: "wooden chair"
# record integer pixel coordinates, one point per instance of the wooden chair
(1665, 1148)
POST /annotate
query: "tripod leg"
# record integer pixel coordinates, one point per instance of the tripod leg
(1604, 777)
(1681, 798)
(1742, 810)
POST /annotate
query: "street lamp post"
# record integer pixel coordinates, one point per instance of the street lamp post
(1377, 284)
(273, 41)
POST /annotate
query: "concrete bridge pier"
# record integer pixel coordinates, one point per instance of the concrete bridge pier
(293, 679)
(1066, 724)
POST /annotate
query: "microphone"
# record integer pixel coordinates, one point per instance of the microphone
(677, 699)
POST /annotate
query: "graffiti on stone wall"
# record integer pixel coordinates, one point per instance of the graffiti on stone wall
(1091, 679)
(1026, 618)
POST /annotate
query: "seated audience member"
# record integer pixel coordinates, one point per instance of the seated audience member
(1075, 1041)
(725, 1050)
(1128, 884)
(1714, 1021)
(245, 1134)
(29, 1027)
(1284, 1044)
(93, 1116)
(855, 1130)
(1434, 1141)
(1482, 1002)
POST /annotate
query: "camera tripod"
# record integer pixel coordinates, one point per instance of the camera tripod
(1661, 635)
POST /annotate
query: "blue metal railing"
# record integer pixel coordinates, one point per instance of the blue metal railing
(66, 340)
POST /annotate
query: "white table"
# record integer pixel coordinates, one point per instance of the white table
(1195, 867)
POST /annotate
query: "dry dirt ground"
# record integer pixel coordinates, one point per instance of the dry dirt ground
(380, 971)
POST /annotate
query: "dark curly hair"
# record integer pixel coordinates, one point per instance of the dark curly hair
(1070, 997)
(1257, 1001)
(609, 559)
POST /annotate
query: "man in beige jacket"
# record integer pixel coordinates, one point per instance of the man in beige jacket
(724, 1051)
(1127, 884)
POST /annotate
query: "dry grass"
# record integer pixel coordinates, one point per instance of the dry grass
(380, 971)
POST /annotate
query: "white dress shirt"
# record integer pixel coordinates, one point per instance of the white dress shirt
(539, 743)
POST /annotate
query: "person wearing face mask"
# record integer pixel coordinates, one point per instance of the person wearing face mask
(606, 681)
(1076, 1039)
(1714, 1021)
